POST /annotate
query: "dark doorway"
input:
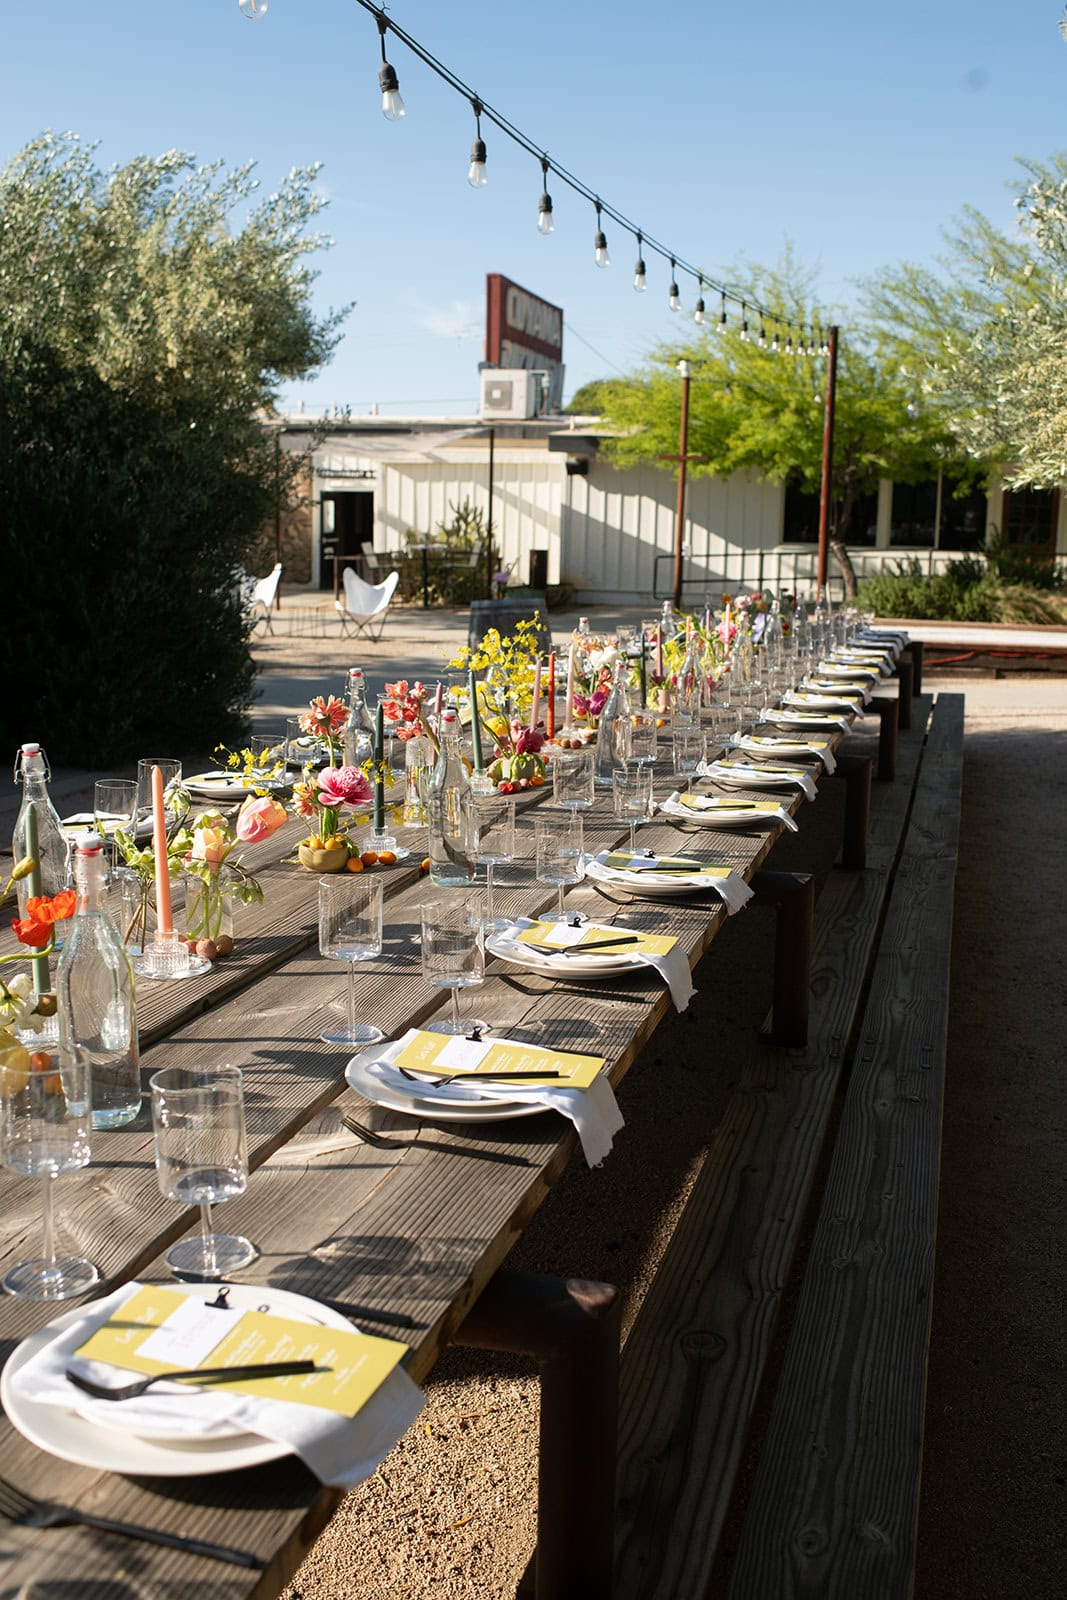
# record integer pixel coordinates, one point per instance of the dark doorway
(347, 524)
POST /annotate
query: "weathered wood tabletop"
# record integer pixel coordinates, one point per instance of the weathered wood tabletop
(413, 1232)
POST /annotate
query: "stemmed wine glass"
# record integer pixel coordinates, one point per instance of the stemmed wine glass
(45, 1122)
(560, 860)
(495, 821)
(631, 792)
(201, 1159)
(169, 766)
(350, 930)
(453, 956)
(687, 746)
(643, 735)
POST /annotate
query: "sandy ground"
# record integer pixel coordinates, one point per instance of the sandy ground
(451, 1512)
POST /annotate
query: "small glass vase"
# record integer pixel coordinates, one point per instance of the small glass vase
(209, 903)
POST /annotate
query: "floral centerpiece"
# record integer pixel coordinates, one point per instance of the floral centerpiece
(215, 876)
(517, 761)
(322, 798)
(403, 707)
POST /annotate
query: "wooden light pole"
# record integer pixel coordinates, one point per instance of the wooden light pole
(827, 457)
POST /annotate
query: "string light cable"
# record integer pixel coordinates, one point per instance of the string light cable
(394, 109)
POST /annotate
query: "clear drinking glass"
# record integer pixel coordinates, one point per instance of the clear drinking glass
(350, 929)
(45, 1130)
(572, 778)
(559, 845)
(631, 793)
(114, 807)
(495, 823)
(268, 754)
(687, 749)
(453, 956)
(169, 766)
(643, 735)
(201, 1159)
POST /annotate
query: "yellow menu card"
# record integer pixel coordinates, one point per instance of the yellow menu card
(163, 1330)
(564, 937)
(790, 744)
(623, 861)
(434, 1054)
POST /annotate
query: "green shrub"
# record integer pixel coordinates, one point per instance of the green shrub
(968, 590)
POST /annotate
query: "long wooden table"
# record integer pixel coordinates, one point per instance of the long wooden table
(413, 1233)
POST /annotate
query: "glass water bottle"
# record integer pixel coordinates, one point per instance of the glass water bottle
(52, 852)
(95, 993)
(453, 842)
(613, 730)
(357, 736)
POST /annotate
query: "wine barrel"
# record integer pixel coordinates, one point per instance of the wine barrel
(504, 615)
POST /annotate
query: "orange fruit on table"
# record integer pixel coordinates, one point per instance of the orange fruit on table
(387, 857)
(354, 864)
(369, 858)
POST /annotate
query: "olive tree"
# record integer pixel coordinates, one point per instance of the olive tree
(147, 315)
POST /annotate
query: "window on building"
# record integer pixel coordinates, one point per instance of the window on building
(914, 514)
(962, 518)
(915, 510)
(1029, 519)
(800, 524)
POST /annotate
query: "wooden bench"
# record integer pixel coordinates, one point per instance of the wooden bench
(699, 1349)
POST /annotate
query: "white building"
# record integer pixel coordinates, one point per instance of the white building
(609, 534)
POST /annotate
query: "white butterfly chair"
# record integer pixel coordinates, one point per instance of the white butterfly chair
(261, 596)
(364, 606)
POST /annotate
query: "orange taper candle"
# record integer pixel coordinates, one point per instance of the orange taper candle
(164, 921)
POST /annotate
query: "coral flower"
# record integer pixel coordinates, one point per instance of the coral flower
(56, 909)
(324, 716)
(29, 931)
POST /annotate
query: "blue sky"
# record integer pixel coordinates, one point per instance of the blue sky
(856, 132)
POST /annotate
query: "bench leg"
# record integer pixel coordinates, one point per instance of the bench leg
(793, 896)
(856, 771)
(888, 712)
(915, 650)
(905, 689)
(571, 1328)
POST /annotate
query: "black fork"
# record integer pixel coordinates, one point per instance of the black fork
(25, 1512)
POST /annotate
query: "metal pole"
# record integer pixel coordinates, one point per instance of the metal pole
(679, 521)
(489, 522)
(278, 513)
(827, 457)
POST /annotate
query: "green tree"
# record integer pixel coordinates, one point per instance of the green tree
(143, 333)
(758, 409)
(983, 332)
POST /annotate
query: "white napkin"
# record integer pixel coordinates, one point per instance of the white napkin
(732, 889)
(341, 1451)
(876, 660)
(594, 1111)
(847, 669)
(812, 700)
(707, 805)
(673, 968)
(802, 719)
(756, 775)
(789, 749)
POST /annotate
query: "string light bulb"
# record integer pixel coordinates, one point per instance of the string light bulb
(393, 107)
(776, 342)
(252, 8)
(762, 340)
(674, 299)
(544, 205)
(722, 313)
(698, 309)
(600, 243)
(789, 341)
(640, 271)
(744, 323)
(476, 171)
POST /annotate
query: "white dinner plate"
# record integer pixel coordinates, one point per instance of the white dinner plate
(596, 965)
(720, 813)
(648, 884)
(423, 1104)
(224, 785)
(83, 822)
(74, 1438)
(750, 775)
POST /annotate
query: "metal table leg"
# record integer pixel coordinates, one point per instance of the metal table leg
(793, 896)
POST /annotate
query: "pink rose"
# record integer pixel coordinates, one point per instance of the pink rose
(343, 786)
(210, 845)
(258, 818)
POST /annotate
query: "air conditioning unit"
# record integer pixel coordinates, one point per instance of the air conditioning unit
(512, 392)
